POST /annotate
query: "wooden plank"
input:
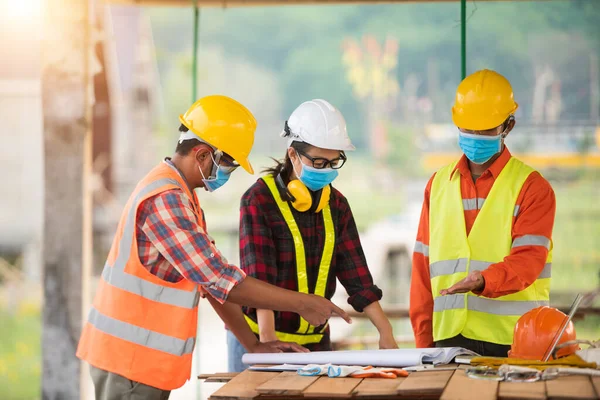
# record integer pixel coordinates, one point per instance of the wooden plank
(461, 387)
(429, 383)
(378, 387)
(525, 391)
(596, 384)
(288, 383)
(243, 386)
(571, 387)
(332, 387)
(218, 375)
(218, 379)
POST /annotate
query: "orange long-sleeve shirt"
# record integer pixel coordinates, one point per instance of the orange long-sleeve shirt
(534, 215)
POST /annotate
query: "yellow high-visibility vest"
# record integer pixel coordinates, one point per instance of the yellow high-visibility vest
(306, 332)
(453, 254)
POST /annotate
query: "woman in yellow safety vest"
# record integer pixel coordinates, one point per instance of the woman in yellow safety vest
(298, 232)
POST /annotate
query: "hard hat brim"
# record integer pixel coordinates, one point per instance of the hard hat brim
(350, 147)
(246, 165)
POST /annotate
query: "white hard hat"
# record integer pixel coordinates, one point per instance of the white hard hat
(320, 124)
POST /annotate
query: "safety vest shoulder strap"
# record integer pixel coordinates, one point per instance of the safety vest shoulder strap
(328, 250)
(498, 212)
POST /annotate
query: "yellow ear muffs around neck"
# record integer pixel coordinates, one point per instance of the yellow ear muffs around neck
(302, 198)
(323, 200)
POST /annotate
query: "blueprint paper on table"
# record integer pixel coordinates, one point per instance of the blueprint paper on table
(376, 358)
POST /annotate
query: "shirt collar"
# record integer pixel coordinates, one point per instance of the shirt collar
(170, 163)
(463, 165)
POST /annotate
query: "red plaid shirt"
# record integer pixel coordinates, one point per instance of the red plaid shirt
(267, 253)
(172, 245)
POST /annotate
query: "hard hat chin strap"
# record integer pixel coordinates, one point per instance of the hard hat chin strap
(215, 159)
(292, 137)
(593, 345)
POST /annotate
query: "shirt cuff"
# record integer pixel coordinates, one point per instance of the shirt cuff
(365, 297)
(230, 277)
(491, 278)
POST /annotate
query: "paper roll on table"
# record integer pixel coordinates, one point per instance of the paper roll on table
(376, 358)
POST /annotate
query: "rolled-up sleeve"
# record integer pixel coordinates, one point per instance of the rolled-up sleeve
(351, 264)
(172, 227)
(532, 239)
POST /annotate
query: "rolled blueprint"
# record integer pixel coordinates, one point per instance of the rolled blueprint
(376, 358)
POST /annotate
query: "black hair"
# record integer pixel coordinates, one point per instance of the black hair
(184, 147)
(284, 167)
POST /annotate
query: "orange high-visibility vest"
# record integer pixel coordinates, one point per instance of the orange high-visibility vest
(140, 326)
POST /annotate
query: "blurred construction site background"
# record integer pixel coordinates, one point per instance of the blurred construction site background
(391, 69)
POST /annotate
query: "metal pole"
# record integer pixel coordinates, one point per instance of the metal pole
(194, 98)
(563, 328)
(463, 38)
(195, 55)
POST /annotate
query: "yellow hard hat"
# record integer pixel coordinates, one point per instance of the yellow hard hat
(484, 100)
(225, 124)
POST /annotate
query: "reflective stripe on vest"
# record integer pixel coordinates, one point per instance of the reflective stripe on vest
(453, 254)
(483, 304)
(300, 339)
(422, 248)
(449, 267)
(306, 331)
(141, 336)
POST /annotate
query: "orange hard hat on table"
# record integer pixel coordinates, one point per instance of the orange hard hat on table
(535, 332)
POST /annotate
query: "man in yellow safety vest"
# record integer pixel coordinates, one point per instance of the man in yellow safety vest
(484, 246)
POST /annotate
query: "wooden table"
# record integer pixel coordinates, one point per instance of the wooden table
(445, 385)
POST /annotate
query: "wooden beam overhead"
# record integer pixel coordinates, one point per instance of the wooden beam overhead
(265, 3)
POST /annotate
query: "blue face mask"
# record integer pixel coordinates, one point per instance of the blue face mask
(220, 178)
(316, 179)
(479, 149)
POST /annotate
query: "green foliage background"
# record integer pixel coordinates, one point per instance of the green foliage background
(300, 46)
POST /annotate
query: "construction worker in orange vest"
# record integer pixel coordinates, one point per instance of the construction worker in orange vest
(484, 246)
(141, 330)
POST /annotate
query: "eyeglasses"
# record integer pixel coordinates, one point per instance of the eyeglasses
(321, 163)
(225, 162)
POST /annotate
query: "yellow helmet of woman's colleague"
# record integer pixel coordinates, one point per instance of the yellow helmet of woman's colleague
(225, 124)
(484, 100)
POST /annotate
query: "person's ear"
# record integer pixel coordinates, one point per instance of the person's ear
(294, 157)
(292, 154)
(510, 125)
(202, 154)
